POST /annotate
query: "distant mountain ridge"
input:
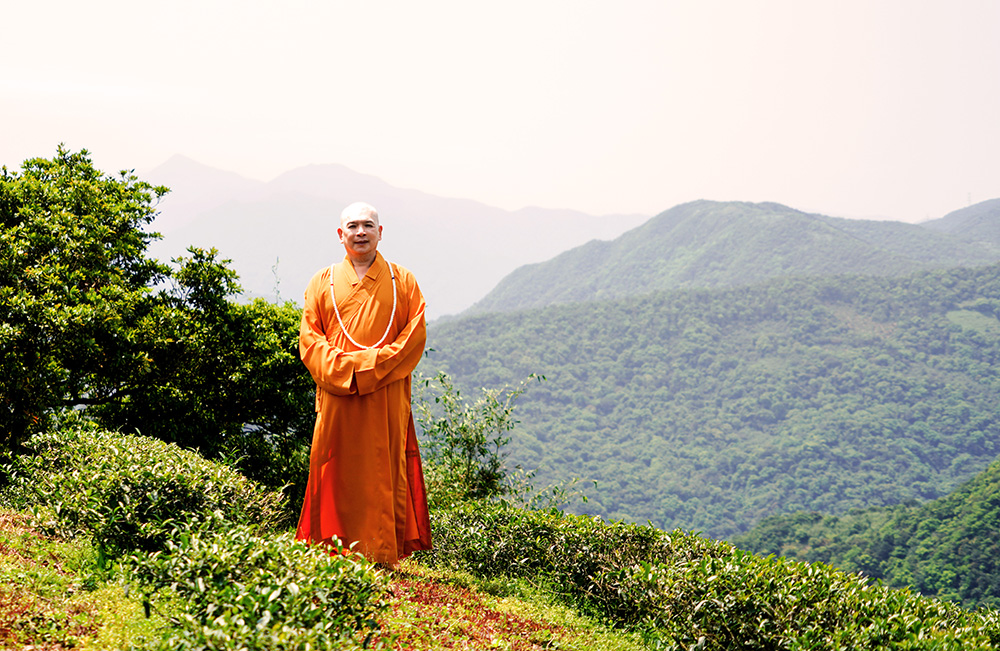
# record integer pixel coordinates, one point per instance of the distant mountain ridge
(724, 244)
(470, 256)
(279, 233)
(977, 223)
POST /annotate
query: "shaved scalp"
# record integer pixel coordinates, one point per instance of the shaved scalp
(358, 210)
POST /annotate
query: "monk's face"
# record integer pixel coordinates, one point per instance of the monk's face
(360, 234)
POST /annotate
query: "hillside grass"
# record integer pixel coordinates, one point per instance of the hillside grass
(499, 576)
(54, 596)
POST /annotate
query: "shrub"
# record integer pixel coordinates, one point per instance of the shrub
(464, 443)
(129, 492)
(686, 591)
(237, 590)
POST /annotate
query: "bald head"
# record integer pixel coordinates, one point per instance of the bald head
(358, 210)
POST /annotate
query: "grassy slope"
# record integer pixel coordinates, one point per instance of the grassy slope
(53, 597)
(498, 573)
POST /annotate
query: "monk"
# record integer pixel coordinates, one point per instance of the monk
(361, 336)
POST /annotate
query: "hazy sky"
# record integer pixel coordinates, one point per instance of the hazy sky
(859, 108)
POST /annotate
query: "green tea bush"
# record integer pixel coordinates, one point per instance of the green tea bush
(238, 590)
(688, 592)
(129, 492)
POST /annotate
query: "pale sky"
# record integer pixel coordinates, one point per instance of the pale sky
(858, 108)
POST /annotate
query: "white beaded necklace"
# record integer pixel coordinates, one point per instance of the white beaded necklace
(392, 315)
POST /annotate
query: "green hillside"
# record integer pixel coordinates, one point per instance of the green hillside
(947, 548)
(116, 532)
(90, 561)
(712, 409)
(713, 244)
(977, 223)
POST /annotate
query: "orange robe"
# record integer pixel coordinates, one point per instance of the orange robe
(366, 484)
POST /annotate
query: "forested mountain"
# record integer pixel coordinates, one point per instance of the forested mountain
(712, 409)
(977, 223)
(948, 548)
(713, 244)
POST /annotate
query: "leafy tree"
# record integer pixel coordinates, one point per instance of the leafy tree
(88, 321)
(221, 376)
(74, 284)
(945, 548)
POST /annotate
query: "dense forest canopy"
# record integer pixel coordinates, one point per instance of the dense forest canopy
(947, 548)
(712, 409)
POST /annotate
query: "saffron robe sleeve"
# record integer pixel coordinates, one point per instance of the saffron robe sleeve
(366, 482)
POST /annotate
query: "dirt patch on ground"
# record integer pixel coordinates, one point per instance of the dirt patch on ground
(441, 616)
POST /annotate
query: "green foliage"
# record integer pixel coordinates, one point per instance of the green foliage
(947, 548)
(51, 596)
(464, 443)
(89, 321)
(712, 410)
(238, 590)
(977, 223)
(198, 540)
(129, 492)
(688, 592)
(220, 376)
(74, 282)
